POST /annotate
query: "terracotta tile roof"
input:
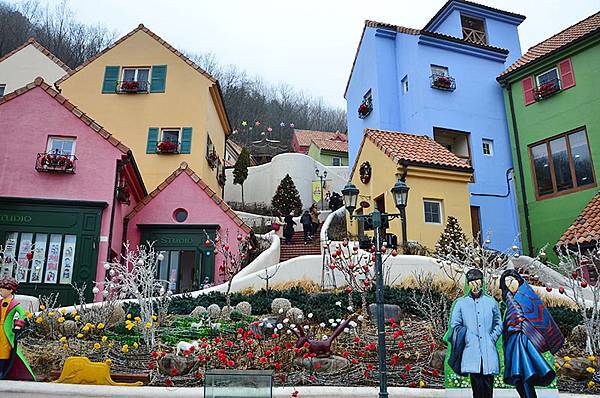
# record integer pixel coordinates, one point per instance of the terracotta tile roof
(561, 40)
(305, 137)
(418, 150)
(39, 82)
(42, 49)
(586, 227)
(332, 145)
(142, 28)
(184, 168)
(441, 10)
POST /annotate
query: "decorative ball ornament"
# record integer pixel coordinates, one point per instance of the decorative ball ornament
(561, 290)
(515, 248)
(584, 284)
(239, 237)
(207, 243)
(365, 171)
(160, 257)
(548, 289)
(107, 266)
(161, 291)
(111, 272)
(104, 293)
(487, 241)
(95, 290)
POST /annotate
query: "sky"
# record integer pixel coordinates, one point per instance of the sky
(309, 44)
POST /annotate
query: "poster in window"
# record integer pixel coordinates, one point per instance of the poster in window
(39, 255)
(10, 251)
(53, 258)
(68, 258)
(23, 262)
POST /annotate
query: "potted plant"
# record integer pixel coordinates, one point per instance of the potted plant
(545, 90)
(443, 82)
(167, 147)
(130, 86)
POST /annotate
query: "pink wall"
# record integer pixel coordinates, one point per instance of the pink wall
(184, 193)
(25, 124)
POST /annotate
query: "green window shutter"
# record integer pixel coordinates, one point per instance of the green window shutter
(186, 140)
(152, 140)
(111, 76)
(159, 79)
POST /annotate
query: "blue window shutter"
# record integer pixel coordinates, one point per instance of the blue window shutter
(159, 79)
(186, 140)
(152, 140)
(111, 76)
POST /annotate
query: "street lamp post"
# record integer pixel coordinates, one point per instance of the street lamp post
(322, 177)
(400, 195)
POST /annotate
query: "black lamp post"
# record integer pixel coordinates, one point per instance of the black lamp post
(400, 195)
(322, 177)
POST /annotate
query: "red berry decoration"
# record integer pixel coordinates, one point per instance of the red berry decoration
(584, 284)
(394, 253)
(561, 290)
(207, 243)
(548, 289)
(239, 237)
(226, 248)
(574, 274)
(348, 289)
(29, 256)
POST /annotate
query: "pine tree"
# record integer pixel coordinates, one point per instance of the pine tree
(287, 198)
(452, 240)
(240, 170)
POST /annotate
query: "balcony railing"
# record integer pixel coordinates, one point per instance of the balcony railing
(547, 89)
(55, 162)
(443, 82)
(167, 147)
(474, 36)
(132, 87)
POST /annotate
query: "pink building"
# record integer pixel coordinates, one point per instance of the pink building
(66, 185)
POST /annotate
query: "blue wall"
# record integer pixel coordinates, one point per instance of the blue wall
(476, 106)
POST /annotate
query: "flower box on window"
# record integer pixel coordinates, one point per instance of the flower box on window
(123, 195)
(56, 162)
(365, 108)
(132, 86)
(213, 159)
(167, 147)
(546, 90)
(443, 82)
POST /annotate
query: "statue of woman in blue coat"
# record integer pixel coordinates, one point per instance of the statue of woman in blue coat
(475, 326)
(528, 331)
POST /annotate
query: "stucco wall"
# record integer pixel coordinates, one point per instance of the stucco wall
(184, 193)
(264, 179)
(326, 157)
(25, 65)
(570, 109)
(186, 102)
(37, 115)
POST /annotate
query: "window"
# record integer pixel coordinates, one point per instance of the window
(180, 215)
(488, 147)
(209, 146)
(336, 161)
(455, 141)
(61, 145)
(171, 135)
(405, 84)
(562, 164)
(433, 211)
(550, 76)
(439, 70)
(473, 29)
(2, 88)
(136, 74)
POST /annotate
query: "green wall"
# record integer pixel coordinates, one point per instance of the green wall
(567, 110)
(326, 157)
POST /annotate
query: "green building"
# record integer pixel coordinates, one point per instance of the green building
(329, 152)
(552, 98)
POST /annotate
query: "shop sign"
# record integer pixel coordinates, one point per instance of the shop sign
(175, 240)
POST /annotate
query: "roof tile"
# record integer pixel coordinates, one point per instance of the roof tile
(586, 227)
(305, 137)
(332, 145)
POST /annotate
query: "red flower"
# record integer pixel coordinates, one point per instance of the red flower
(435, 372)
(307, 344)
(277, 365)
(412, 384)
(403, 375)
(168, 382)
(230, 363)
(268, 353)
(401, 344)
(29, 256)
(345, 354)
(229, 344)
(318, 365)
(154, 354)
(366, 374)
(199, 375)
(407, 367)
(431, 346)
(357, 340)
(295, 394)
(370, 366)
(151, 365)
(217, 340)
(354, 361)
(250, 355)
(288, 345)
(263, 360)
(174, 372)
(282, 378)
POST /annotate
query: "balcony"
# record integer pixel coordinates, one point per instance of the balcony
(442, 82)
(167, 147)
(474, 36)
(55, 162)
(546, 90)
(132, 87)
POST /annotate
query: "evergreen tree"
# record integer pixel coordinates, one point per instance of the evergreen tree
(287, 198)
(452, 241)
(240, 170)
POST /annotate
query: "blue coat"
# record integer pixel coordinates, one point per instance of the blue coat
(481, 318)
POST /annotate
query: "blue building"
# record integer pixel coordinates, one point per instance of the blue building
(440, 81)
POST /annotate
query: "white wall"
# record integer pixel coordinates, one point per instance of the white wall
(264, 179)
(25, 65)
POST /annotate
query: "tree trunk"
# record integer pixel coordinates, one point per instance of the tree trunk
(243, 204)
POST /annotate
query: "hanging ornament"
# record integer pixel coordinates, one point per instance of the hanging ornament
(282, 124)
(269, 129)
(244, 123)
(250, 128)
(292, 125)
(257, 123)
(234, 132)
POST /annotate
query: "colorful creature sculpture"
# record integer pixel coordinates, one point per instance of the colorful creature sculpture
(475, 327)
(13, 365)
(321, 348)
(80, 370)
(528, 332)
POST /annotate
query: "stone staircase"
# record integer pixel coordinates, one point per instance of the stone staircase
(298, 248)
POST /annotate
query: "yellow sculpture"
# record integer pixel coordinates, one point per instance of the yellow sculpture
(80, 370)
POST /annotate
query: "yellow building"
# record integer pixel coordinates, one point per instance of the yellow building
(437, 178)
(164, 106)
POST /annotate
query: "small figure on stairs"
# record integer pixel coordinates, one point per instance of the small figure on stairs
(314, 217)
(307, 226)
(288, 230)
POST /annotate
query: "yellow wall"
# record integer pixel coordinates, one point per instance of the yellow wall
(425, 183)
(186, 102)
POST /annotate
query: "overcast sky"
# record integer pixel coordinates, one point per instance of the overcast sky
(309, 44)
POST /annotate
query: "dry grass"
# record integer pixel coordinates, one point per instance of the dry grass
(305, 284)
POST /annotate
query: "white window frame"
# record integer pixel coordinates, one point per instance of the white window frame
(333, 159)
(435, 69)
(162, 134)
(2, 89)
(405, 85)
(537, 76)
(137, 69)
(490, 144)
(57, 137)
(439, 203)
